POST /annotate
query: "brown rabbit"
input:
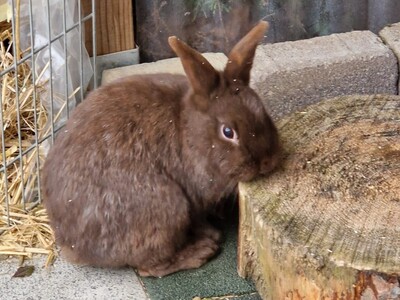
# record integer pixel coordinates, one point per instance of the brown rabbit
(141, 163)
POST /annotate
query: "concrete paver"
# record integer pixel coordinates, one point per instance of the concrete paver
(391, 36)
(170, 65)
(66, 281)
(291, 75)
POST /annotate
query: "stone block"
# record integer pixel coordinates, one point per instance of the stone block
(170, 65)
(291, 75)
(391, 36)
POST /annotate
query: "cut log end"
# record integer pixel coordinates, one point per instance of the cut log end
(325, 225)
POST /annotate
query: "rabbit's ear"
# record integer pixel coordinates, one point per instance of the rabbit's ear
(240, 59)
(202, 76)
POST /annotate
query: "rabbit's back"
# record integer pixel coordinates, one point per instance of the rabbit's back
(123, 118)
(120, 125)
(128, 110)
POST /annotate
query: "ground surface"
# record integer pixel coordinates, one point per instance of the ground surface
(218, 278)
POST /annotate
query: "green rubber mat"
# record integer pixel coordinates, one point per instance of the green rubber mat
(217, 278)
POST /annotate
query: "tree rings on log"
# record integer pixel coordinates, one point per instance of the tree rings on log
(326, 224)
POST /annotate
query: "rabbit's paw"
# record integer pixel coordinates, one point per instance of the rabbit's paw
(190, 257)
(207, 230)
(195, 255)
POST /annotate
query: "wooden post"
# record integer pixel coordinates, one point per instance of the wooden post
(326, 224)
(114, 26)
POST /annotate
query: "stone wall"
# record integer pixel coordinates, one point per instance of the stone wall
(291, 75)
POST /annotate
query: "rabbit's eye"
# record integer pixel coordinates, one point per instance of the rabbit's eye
(229, 133)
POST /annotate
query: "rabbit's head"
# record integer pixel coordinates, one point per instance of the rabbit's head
(225, 125)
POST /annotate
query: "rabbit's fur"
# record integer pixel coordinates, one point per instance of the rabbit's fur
(140, 164)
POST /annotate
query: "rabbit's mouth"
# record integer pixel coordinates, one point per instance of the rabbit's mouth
(251, 172)
(247, 174)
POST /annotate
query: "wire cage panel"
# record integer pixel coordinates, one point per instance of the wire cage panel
(45, 71)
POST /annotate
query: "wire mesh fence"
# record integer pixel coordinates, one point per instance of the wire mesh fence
(45, 71)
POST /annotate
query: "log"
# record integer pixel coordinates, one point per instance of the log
(326, 224)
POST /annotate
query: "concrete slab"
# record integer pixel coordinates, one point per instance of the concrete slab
(391, 36)
(67, 281)
(116, 60)
(170, 65)
(289, 76)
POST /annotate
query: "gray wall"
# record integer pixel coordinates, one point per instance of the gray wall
(218, 27)
(294, 19)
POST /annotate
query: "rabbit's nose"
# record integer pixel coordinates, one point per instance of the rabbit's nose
(268, 164)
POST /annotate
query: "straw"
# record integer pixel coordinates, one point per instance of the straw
(23, 232)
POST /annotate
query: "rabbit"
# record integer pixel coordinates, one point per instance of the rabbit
(142, 162)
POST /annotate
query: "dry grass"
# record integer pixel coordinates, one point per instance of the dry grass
(28, 234)
(23, 232)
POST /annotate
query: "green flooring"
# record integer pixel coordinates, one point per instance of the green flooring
(217, 278)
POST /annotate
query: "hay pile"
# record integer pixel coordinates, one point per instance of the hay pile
(24, 228)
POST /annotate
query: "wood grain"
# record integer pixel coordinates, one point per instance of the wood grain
(325, 225)
(114, 26)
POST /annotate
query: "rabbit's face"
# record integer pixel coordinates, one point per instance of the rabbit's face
(246, 128)
(225, 127)
(233, 135)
